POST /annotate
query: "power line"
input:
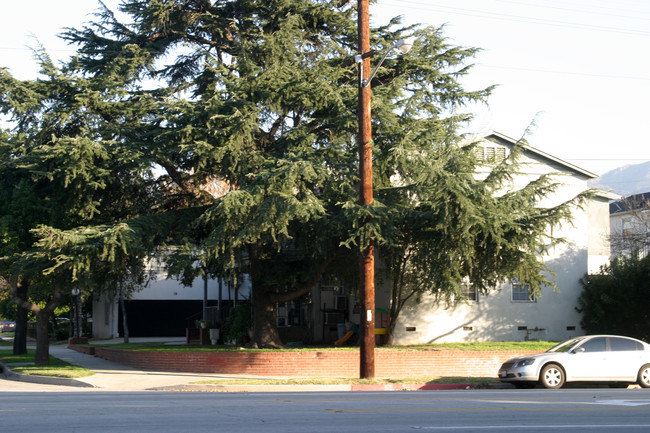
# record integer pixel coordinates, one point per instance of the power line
(590, 11)
(510, 17)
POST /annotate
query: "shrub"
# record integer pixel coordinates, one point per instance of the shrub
(617, 300)
(238, 322)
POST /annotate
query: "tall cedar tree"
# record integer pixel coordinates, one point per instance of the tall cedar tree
(58, 170)
(262, 96)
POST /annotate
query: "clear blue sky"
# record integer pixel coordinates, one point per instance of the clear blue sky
(579, 67)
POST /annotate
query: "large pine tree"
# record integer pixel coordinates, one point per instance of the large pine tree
(261, 96)
(60, 168)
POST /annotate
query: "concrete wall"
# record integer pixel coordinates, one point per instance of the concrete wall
(599, 233)
(494, 317)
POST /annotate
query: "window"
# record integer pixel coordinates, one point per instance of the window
(595, 345)
(628, 226)
(491, 153)
(623, 345)
(521, 292)
(468, 291)
(565, 346)
(291, 313)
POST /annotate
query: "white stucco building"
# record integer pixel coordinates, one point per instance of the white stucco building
(507, 312)
(630, 225)
(165, 307)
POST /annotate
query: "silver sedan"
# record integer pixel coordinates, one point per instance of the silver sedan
(7, 326)
(593, 358)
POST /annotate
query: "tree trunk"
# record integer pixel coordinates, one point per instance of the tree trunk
(265, 330)
(20, 334)
(19, 294)
(42, 329)
(42, 338)
(125, 321)
(18, 290)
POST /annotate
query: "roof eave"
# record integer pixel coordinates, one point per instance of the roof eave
(539, 152)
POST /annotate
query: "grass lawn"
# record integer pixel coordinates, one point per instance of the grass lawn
(24, 364)
(532, 346)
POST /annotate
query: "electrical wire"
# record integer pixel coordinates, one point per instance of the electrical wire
(436, 7)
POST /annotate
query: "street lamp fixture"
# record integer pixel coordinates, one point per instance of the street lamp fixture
(403, 46)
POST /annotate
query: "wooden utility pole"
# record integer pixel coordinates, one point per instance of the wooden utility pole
(367, 260)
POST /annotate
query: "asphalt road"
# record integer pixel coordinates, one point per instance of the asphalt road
(581, 410)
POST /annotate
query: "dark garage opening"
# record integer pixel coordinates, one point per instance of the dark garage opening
(154, 318)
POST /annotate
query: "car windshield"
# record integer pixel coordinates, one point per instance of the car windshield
(565, 346)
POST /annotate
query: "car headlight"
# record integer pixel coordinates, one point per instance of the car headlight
(525, 362)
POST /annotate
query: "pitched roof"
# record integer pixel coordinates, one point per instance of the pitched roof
(504, 139)
(631, 203)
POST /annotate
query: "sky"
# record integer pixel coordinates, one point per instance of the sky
(578, 69)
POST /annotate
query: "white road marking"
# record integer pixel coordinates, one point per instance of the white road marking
(624, 402)
(536, 427)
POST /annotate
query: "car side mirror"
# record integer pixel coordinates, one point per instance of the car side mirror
(579, 350)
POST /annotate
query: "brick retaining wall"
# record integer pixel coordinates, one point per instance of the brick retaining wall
(312, 363)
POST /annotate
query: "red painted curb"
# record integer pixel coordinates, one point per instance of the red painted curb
(410, 386)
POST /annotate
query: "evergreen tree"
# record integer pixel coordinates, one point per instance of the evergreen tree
(261, 96)
(258, 98)
(60, 168)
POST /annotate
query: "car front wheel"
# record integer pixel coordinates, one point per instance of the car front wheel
(552, 376)
(643, 379)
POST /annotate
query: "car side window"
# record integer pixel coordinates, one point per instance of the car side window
(595, 345)
(623, 345)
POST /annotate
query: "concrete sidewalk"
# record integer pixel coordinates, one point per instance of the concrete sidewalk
(111, 376)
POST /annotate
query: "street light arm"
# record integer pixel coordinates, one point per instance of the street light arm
(365, 83)
(403, 45)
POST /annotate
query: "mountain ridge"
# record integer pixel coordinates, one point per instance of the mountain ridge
(625, 180)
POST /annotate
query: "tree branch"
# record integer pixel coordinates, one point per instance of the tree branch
(289, 296)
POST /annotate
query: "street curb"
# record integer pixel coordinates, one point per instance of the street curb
(315, 388)
(8, 374)
(411, 387)
(252, 388)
